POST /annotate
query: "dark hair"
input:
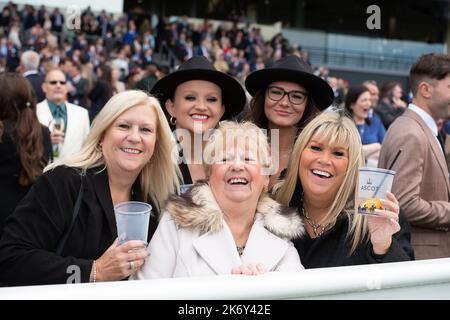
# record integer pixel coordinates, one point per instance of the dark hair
(106, 78)
(387, 88)
(354, 92)
(258, 116)
(429, 66)
(18, 106)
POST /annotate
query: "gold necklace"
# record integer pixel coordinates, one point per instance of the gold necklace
(315, 226)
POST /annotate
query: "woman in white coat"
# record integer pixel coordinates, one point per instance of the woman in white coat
(227, 224)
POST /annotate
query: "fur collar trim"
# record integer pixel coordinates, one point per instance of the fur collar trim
(197, 209)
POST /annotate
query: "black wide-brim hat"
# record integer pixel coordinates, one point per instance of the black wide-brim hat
(200, 68)
(292, 69)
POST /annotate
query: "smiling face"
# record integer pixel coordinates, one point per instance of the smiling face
(197, 105)
(55, 86)
(362, 106)
(236, 176)
(322, 168)
(284, 113)
(129, 141)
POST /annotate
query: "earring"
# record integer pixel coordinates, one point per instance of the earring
(173, 121)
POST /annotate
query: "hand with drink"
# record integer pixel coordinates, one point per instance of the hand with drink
(384, 224)
(57, 135)
(57, 128)
(120, 261)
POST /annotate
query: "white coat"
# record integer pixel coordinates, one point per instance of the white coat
(193, 239)
(77, 126)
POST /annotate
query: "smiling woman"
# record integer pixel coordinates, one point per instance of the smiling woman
(286, 97)
(321, 181)
(126, 156)
(227, 224)
(196, 97)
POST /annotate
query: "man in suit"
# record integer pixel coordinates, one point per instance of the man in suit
(70, 136)
(421, 183)
(78, 86)
(29, 66)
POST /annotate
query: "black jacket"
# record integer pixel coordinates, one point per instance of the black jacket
(36, 80)
(387, 113)
(34, 230)
(10, 191)
(332, 248)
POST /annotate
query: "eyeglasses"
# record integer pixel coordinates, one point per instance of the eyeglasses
(295, 96)
(54, 82)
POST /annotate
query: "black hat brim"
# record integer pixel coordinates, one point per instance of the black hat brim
(233, 94)
(318, 89)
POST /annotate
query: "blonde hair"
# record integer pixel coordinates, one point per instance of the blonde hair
(160, 176)
(231, 133)
(335, 127)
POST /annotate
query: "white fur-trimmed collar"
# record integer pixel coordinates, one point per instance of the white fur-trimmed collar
(198, 209)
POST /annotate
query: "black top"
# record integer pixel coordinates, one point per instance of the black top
(34, 230)
(387, 113)
(36, 80)
(187, 179)
(332, 248)
(10, 191)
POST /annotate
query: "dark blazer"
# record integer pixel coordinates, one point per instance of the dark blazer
(36, 80)
(99, 96)
(79, 97)
(34, 230)
(332, 248)
(10, 191)
(387, 113)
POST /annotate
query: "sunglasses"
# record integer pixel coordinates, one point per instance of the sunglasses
(54, 82)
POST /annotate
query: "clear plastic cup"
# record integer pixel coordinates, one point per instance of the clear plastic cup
(132, 220)
(374, 183)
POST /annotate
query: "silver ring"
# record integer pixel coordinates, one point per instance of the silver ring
(132, 265)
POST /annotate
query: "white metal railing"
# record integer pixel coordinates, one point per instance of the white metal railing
(401, 280)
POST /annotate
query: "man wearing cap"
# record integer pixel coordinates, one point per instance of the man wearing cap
(421, 182)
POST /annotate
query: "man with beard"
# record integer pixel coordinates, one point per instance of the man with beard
(421, 183)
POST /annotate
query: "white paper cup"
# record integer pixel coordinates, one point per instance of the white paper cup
(374, 183)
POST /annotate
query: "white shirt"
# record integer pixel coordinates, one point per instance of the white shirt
(428, 120)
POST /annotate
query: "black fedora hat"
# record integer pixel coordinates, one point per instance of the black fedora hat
(291, 68)
(200, 68)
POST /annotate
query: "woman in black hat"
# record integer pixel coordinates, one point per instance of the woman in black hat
(196, 97)
(285, 97)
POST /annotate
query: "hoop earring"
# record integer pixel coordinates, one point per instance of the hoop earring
(173, 121)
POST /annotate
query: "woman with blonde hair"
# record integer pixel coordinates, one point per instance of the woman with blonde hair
(126, 156)
(228, 223)
(321, 180)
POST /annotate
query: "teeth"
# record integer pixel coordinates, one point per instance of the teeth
(238, 180)
(322, 173)
(127, 150)
(200, 117)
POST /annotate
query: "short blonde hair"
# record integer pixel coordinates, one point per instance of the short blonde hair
(161, 175)
(332, 126)
(231, 133)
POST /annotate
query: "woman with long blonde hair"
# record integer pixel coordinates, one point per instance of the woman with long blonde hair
(126, 156)
(321, 180)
